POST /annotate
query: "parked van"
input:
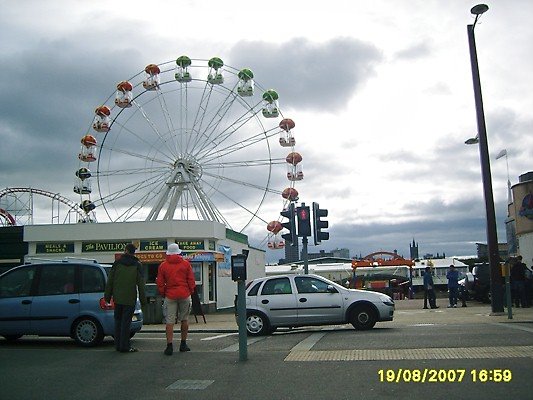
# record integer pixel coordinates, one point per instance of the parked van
(59, 298)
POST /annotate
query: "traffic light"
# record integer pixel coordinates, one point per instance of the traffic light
(290, 225)
(304, 221)
(318, 224)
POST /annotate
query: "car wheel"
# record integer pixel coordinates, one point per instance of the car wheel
(87, 332)
(256, 324)
(363, 318)
(12, 337)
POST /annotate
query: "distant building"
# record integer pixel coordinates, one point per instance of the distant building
(413, 250)
(322, 254)
(292, 254)
(341, 253)
(483, 251)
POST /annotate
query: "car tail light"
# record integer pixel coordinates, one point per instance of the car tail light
(107, 306)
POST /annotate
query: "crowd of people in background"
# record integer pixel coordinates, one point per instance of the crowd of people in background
(521, 279)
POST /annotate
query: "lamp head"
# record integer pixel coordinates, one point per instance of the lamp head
(474, 140)
(479, 9)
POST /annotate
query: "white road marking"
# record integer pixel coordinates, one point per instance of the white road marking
(513, 326)
(308, 343)
(235, 347)
(220, 336)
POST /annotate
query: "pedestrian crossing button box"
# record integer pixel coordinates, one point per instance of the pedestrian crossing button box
(238, 267)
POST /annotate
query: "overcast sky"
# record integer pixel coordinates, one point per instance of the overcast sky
(381, 94)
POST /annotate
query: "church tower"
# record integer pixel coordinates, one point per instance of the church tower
(413, 250)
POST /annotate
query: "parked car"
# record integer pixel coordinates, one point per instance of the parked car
(476, 283)
(59, 298)
(300, 300)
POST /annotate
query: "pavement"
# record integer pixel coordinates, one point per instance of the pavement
(408, 312)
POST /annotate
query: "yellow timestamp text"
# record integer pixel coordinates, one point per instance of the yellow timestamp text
(429, 375)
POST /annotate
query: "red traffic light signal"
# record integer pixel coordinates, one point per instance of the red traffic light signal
(304, 222)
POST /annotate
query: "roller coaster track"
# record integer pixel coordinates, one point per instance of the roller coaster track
(72, 206)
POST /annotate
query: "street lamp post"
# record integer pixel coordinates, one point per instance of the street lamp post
(492, 237)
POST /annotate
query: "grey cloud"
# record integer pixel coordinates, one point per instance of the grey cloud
(308, 75)
(441, 232)
(418, 50)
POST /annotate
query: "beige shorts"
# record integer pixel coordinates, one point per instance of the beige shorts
(180, 308)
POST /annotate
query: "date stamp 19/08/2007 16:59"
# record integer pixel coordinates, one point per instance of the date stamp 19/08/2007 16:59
(428, 375)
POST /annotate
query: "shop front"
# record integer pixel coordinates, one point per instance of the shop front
(208, 246)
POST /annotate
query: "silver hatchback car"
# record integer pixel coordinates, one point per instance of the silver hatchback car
(299, 300)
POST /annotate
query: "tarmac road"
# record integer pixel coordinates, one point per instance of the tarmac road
(466, 351)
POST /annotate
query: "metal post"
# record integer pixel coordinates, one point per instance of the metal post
(305, 256)
(508, 297)
(492, 238)
(241, 320)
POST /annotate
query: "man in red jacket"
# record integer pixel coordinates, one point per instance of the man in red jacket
(175, 282)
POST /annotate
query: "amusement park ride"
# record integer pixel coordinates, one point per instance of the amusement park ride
(188, 139)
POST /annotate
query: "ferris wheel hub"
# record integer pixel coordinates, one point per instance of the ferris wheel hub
(186, 169)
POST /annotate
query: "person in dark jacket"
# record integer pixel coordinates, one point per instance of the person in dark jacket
(175, 282)
(518, 283)
(125, 279)
(429, 288)
(453, 286)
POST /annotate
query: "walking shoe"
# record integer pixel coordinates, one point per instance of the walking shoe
(130, 350)
(455, 306)
(435, 307)
(450, 306)
(184, 347)
(169, 350)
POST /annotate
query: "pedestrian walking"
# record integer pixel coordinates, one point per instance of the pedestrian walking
(429, 289)
(124, 282)
(176, 283)
(453, 286)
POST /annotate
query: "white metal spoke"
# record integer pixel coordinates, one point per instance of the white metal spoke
(225, 134)
(152, 125)
(244, 163)
(142, 138)
(253, 213)
(237, 146)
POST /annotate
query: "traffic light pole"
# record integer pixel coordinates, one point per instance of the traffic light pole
(305, 256)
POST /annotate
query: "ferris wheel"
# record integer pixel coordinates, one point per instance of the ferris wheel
(189, 139)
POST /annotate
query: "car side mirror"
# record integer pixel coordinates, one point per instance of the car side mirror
(331, 289)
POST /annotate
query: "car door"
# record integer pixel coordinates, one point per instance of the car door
(16, 300)
(277, 299)
(56, 302)
(317, 304)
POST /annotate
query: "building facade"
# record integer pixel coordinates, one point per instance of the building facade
(207, 245)
(519, 224)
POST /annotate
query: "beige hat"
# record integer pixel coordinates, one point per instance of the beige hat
(173, 248)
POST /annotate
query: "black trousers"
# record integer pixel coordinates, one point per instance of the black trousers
(123, 314)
